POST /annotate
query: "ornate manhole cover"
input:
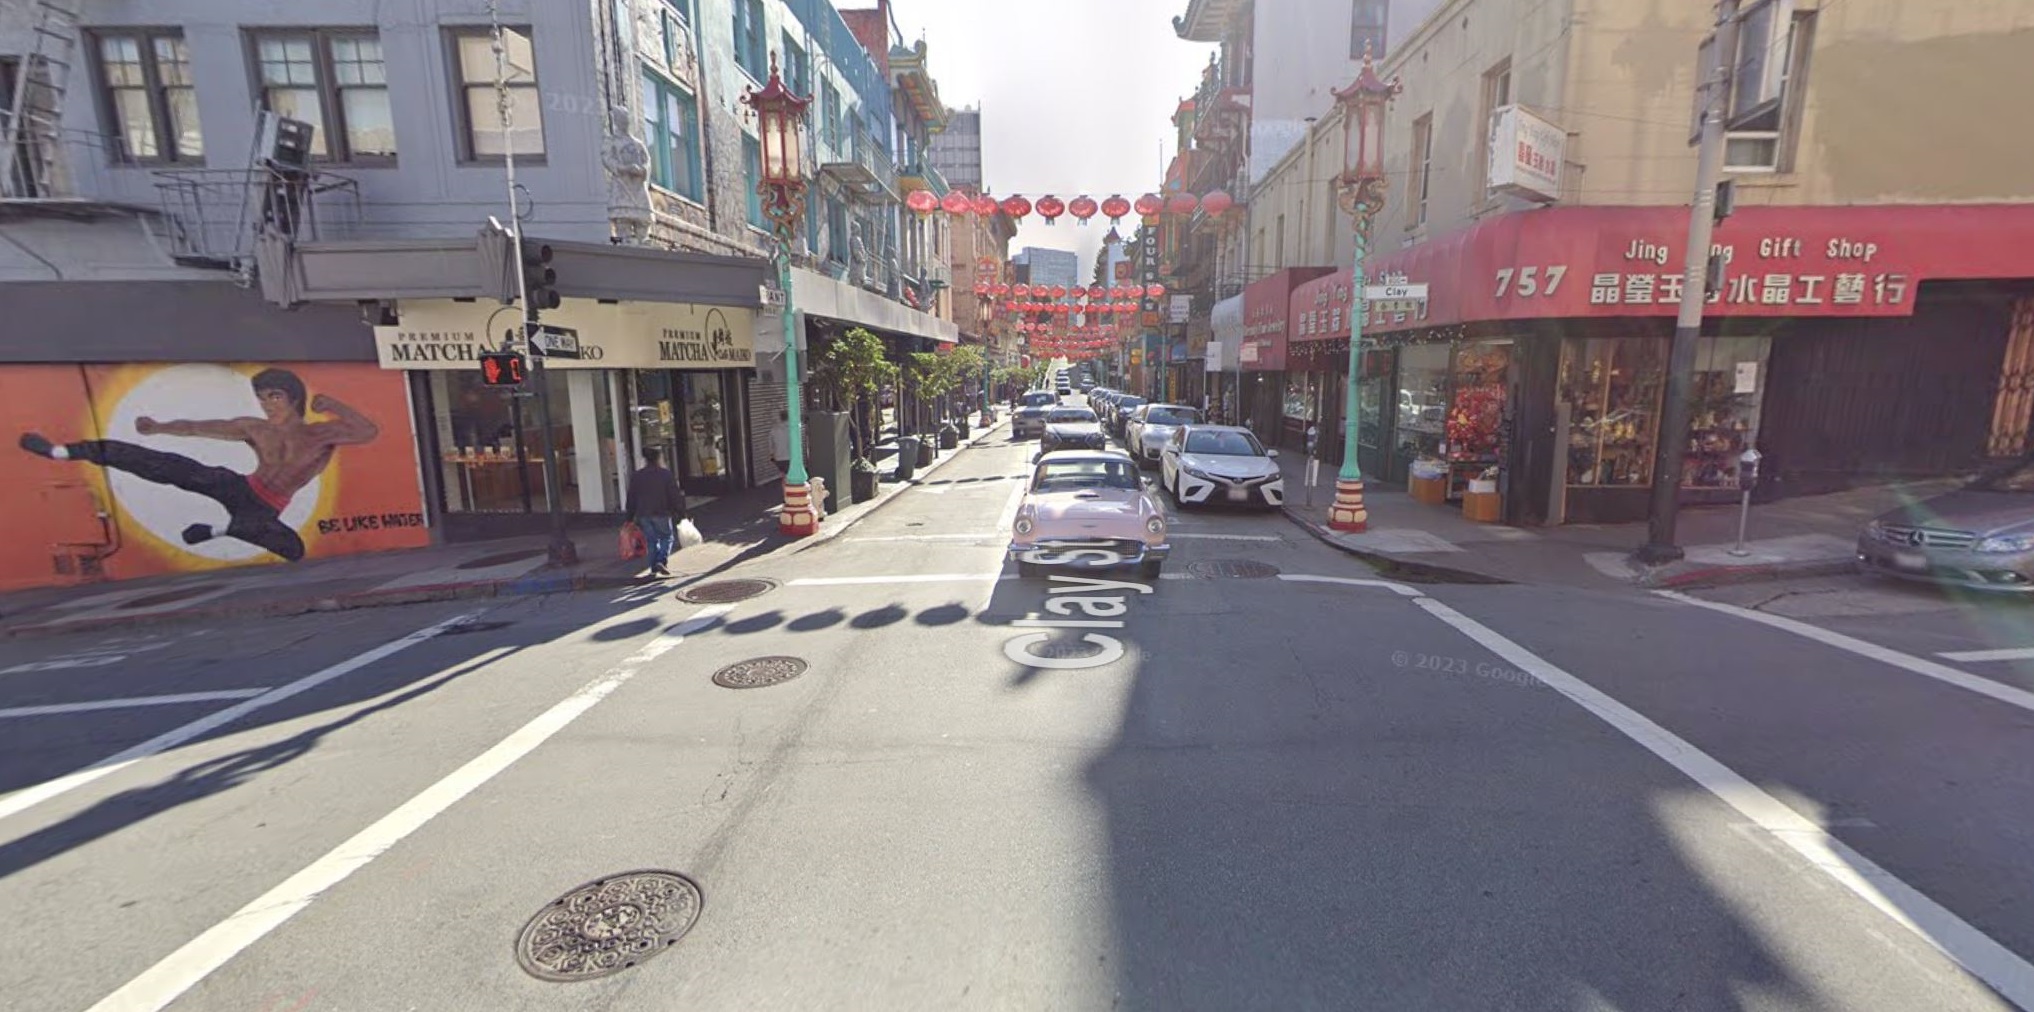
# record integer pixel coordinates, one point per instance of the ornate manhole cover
(1233, 569)
(759, 672)
(502, 559)
(608, 925)
(1065, 649)
(726, 591)
(464, 628)
(171, 596)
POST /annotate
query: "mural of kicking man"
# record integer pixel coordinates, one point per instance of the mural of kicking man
(289, 452)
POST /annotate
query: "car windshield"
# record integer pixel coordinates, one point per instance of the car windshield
(1068, 475)
(1171, 416)
(1070, 416)
(1224, 444)
(1039, 399)
(1129, 404)
(2017, 479)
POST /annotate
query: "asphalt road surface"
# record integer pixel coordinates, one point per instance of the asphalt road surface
(1282, 783)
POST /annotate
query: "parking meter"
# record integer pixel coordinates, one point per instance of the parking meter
(1313, 438)
(1748, 470)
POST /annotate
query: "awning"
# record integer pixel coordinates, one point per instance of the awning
(818, 295)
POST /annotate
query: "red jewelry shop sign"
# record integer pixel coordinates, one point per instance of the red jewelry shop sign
(1626, 261)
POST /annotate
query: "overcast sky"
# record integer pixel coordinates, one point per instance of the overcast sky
(1076, 96)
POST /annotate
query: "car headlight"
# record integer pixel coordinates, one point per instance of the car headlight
(1155, 525)
(2007, 543)
(1023, 526)
(1202, 475)
(1875, 531)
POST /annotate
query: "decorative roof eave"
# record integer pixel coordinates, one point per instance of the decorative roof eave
(907, 69)
(1206, 20)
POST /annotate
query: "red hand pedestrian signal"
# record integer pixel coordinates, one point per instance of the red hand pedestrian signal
(502, 369)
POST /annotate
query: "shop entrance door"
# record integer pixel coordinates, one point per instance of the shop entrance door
(707, 463)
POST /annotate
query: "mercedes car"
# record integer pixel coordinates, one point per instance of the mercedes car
(1205, 464)
(1980, 536)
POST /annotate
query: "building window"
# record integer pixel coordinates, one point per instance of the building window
(671, 129)
(335, 81)
(837, 230)
(797, 68)
(829, 114)
(748, 38)
(1496, 95)
(479, 119)
(676, 17)
(752, 176)
(1763, 115)
(146, 79)
(1366, 28)
(1423, 166)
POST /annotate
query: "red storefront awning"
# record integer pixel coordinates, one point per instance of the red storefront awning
(1266, 303)
(1626, 261)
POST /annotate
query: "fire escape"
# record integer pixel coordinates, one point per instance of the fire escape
(32, 165)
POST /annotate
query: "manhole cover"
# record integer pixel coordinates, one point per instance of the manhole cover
(1065, 649)
(1233, 569)
(171, 596)
(464, 628)
(608, 925)
(726, 591)
(761, 671)
(502, 559)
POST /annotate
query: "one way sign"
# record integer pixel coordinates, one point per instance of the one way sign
(554, 342)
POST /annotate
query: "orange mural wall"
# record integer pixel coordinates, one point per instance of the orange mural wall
(114, 472)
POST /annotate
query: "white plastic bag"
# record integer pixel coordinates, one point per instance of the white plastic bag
(688, 535)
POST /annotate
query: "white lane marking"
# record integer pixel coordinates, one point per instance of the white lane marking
(181, 970)
(28, 797)
(2010, 654)
(934, 489)
(62, 663)
(1009, 514)
(53, 709)
(985, 536)
(1921, 666)
(1177, 576)
(1970, 948)
(1397, 588)
(1230, 537)
(860, 581)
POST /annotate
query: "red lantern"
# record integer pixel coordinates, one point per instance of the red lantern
(1216, 203)
(1182, 204)
(956, 202)
(1082, 207)
(1016, 207)
(1050, 207)
(1002, 289)
(922, 201)
(1115, 208)
(1059, 291)
(1116, 292)
(1022, 291)
(984, 205)
(1149, 205)
(1154, 291)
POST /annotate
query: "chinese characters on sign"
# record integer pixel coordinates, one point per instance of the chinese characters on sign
(1833, 286)
(1526, 155)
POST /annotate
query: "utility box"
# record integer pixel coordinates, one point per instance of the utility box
(827, 454)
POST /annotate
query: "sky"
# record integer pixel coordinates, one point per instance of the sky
(1076, 96)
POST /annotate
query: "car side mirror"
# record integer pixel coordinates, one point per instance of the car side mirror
(1271, 453)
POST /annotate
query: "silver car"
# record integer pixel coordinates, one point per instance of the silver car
(1031, 411)
(1207, 464)
(1151, 428)
(1980, 536)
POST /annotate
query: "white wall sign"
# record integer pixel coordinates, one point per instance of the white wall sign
(1182, 307)
(439, 334)
(1213, 362)
(1526, 154)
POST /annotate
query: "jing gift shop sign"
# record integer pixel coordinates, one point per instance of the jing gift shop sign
(435, 334)
(1778, 262)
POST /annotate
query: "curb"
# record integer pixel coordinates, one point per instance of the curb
(1399, 569)
(1725, 576)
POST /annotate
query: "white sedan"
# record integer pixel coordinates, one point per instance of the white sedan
(1206, 464)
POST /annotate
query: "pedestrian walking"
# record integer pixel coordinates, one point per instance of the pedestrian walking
(780, 443)
(656, 504)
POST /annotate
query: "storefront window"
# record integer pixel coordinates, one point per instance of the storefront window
(1729, 378)
(705, 426)
(1422, 400)
(491, 443)
(1476, 414)
(1300, 390)
(1374, 397)
(1612, 389)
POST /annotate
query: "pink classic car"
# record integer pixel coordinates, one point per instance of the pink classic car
(1088, 509)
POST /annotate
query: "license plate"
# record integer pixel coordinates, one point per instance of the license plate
(1239, 495)
(1912, 562)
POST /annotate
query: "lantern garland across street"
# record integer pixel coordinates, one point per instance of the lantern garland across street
(1082, 208)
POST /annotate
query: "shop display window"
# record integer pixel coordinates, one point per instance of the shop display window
(491, 446)
(1613, 389)
(1729, 379)
(1422, 400)
(1302, 396)
(1476, 412)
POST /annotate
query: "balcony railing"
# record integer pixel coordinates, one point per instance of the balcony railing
(867, 172)
(920, 175)
(214, 215)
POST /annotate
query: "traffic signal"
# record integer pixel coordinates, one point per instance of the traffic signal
(502, 369)
(540, 282)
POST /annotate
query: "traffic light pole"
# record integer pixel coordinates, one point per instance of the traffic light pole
(561, 550)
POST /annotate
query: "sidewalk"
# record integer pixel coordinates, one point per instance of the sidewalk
(737, 528)
(1804, 536)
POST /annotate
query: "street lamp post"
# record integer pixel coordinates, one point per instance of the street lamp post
(780, 116)
(1360, 192)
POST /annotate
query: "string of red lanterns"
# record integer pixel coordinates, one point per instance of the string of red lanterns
(1115, 208)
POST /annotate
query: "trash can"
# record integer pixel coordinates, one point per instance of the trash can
(926, 453)
(949, 437)
(907, 457)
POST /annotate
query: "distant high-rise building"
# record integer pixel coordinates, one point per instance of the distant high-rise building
(1051, 266)
(957, 151)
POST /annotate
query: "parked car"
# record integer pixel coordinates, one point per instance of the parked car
(1980, 536)
(1120, 411)
(1071, 428)
(1205, 464)
(1029, 420)
(1148, 432)
(1088, 509)
(1064, 384)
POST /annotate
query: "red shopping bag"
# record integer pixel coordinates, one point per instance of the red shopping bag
(633, 544)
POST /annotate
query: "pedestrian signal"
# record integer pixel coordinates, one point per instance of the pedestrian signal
(502, 369)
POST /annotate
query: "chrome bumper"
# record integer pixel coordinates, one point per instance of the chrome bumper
(1125, 552)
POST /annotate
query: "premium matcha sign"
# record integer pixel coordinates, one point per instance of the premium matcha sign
(445, 334)
(713, 342)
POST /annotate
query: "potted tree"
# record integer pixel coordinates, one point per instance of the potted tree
(850, 373)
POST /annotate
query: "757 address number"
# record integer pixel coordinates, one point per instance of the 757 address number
(1528, 281)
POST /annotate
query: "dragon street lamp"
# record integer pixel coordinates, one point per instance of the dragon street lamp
(780, 119)
(1360, 192)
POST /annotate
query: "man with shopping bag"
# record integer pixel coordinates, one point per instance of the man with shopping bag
(656, 504)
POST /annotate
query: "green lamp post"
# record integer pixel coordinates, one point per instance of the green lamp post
(1360, 192)
(780, 120)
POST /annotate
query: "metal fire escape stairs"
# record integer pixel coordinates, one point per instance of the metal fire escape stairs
(32, 140)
